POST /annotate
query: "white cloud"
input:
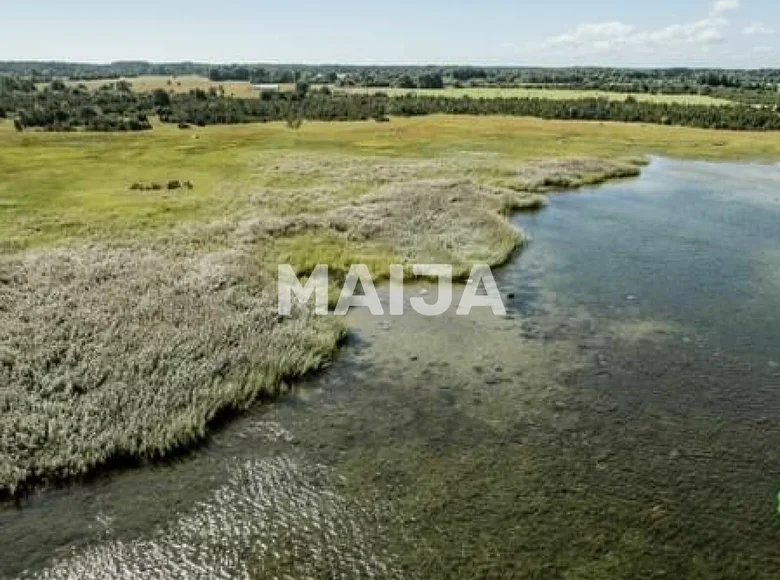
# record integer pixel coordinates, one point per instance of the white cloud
(764, 50)
(722, 6)
(757, 29)
(604, 32)
(602, 37)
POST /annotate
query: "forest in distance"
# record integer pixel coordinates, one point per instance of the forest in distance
(65, 96)
(637, 80)
(116, 107)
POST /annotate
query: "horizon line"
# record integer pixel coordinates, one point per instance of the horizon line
(379, 65)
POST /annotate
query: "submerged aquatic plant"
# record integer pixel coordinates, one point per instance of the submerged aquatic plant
(273, 518)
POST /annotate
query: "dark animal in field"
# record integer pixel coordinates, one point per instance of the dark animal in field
(153, 186)
(18, 126)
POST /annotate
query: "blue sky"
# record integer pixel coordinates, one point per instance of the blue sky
(728, 33)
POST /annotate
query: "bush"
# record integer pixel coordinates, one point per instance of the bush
(294, 122)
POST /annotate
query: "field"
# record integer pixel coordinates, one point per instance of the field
(539, 93)
(242, 89)
(76, 185)
(129, 320)
(181, 84)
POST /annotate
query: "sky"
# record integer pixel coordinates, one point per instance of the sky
(719, 33)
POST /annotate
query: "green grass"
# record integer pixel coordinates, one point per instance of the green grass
(540, 93)
(306, 251)
(55, 187)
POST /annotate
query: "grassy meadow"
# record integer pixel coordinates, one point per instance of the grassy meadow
(75, 186)
(540, 93)
(129, 320)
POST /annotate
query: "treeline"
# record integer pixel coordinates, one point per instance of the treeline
(115, 107)
(201, 108)
(737, 117)
(58, 107)
(758, 86)
(618, 79)
(322, 105)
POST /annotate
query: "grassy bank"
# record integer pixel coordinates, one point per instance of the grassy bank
(131, 319)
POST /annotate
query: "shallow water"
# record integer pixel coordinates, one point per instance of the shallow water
(621, 422)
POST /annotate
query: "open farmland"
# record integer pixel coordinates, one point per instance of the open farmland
(177, 84)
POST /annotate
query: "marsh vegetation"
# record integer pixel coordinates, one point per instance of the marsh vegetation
(127, 342)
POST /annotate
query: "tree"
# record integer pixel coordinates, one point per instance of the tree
(406, 82)
(301, 89)
(161, 98)
(468, 73)
(259, 76)
(431, 81)
(294, 121)
(285, 77)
